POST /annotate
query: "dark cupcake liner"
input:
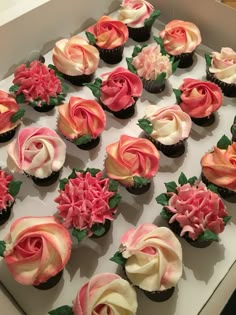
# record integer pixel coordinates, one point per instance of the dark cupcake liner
(159, 296)
(50, 283)
(141, 34)
(139, 190)
(185, 60)
(89, 145)
(171, 151)
(8, 135)
(123, 113)
(227, 89)
(204, 121)
(5, 214)
(43, 109)
(111, 56)
(47, 181)
(107, 226)
(153, 86)
(78, 80)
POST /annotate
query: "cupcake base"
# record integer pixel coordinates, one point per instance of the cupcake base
(185, 60)
(139, 190)
(111, 56)
(50, 283)
(8, 135)
(141, 34)
(121, 114)
(204, 121)
(78, 80)
(160, 296)
(171, 151)
(43, 109)
(107, 226)
(5, 214)
(228, 89)
(153, 86)
(89, 145)
(47, 181)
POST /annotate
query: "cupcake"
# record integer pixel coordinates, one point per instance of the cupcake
(8, 191)
(109, 36)
(193, 211)
(10, 116)
(139, 16)
(167, 127)
(132, 162)
(39, 153)
(81, 121)
(37, 85)
(26, 251)
(152, 260)
(180, 39)
(199, 99)
(104, 293)
(76, 59)
(221, 69)
(118, 92)
(87, 203)
(233, 130)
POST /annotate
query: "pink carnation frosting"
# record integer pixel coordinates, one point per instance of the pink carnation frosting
(199, 98)
(8, 107)
(85, 201)
(119, 89)
(197, 209)
(5, 198)
(37, 248)
(81, 117)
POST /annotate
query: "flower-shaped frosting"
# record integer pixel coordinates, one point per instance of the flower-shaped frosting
(180, 37)
(37, 248)
(37, 151)
(104, 294)
(6, 198)
(8, 107)
(129, 157)
(109, 33)
(75, 56)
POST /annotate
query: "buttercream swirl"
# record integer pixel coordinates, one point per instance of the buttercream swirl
(8, 107)
(6, 199)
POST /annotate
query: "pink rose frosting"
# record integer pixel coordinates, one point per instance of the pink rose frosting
(129, 157)
(154, 257)
(81, 117)
(106, 294)
(180, 37)
(119, 89)
(37, 248)
(75, 56)
(37, 151)
(8, 107)
(6, 199)
(197, 209)
(109, 33)
(84, 201)
(199, 98)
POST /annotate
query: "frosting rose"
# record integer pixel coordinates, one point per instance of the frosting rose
(135, 12)
(197, 209)
(154, 257)
(109, 33)
(223, 65)
(104, 294)
(200, 99)
(81, 117)
(75, 56)
(37, 248)
(37, 151)
(180, 37)
(8, 107)
(131, 157)
(6, 199)
(120, 88)
(170, 124)
(219, 168)
(149, 63)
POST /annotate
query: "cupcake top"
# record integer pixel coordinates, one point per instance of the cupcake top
(75, 56)
(166, 124)
(131, 159)
(108, 33)
(180, 37)
(27, 248)
(81, 118)
(37, 151)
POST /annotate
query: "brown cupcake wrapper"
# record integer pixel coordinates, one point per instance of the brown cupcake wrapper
(204, 121)
(139, 190)
(43, 109)
(8, 135)
(5, 214)
(111, 56)
(123, 113)
(47, 181)
(89, 145)
(172, 151)
(228, 90)
(141, 34)
(78, 80)
(107, 226)
(185, 60)
(153, 86)
(159, 296)
(50, 283)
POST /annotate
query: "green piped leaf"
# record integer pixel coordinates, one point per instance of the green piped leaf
(114, 201)
(163, 199)
(20, 98)
(212, 188)
(14, 88)
(223, 143)
(175, 65)
(146, 125)
(161, 77)
(79, 234)
(160, 42)
(98, 229)
(83, 140)
(57, 72)
(53, 101)
(113, 185)
(73, 173)
(136, 51)
(92, 171)
(2, 248)
(91, 38)
(14, 187)
(226, 219)
(182, 179)
(177, 95)
(62, 310)
(208, 235)
(152, 18)
(165, 214)
(140, 181)
(130, 66)
(208, 60)
(95, 87)
(118, 259)
(18, 115)
(192, 180)
(62, 183)
(171, 186)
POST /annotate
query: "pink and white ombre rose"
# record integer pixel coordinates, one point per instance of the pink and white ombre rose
(154, 257)
(5, 198)
(81, 117)
(197, 209)
(37, 151)
(120, 88)
(8, 107)
(134, 12)
(75, 56)
(180, 37)
(37, 248)
(106, 294)
(129, 157)
(223, 65)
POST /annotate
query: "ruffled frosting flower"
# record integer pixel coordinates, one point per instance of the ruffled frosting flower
(180, 37)
(154, 257)
(37, 151)
(81, 117)
(129, 157)
(104, 294)
(75, 56)
(200, 99)
(109, 33)
(37, 248)
(6, 198)
(8, 107)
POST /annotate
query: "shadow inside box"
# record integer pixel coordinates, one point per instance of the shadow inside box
(154, 98)
(171, 165)
(200, 132)
(77, 161)
(117, 123)
(131, 211)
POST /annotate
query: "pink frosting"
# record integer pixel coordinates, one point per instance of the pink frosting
(109, 33)
(120, 88)
(5, 198)
(85, 201)
(197, 209)
(8, 107)
(81, 117)
(199, 98)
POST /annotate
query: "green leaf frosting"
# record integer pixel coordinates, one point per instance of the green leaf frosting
(226, 219)
(146, 125)
(223, 143)
(177, 95)
(163, 199)
(114, 201)
(98, 229)
(152, 18)
(182, 179)
(175, 65)
(113, 185)
(2, 248)
(208, 235)
(62, 183)
(18, 115)
(130, 66)
(192, 180)
(140, 181)
(118, 259)
(213, 188)
(83, 140)
(62, 310)
(20, 98)
(165, 214)
(171, 186)
(79, 234)
(14, 187)
(161, 77)
(91, 38)
(14, 88)
(95, 87)
(208, 60)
